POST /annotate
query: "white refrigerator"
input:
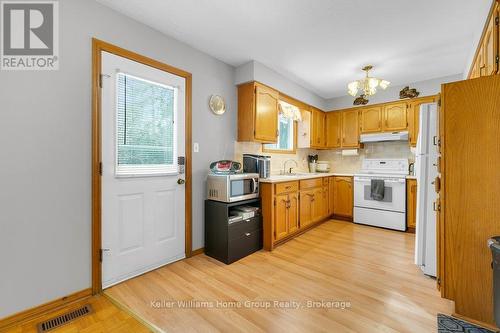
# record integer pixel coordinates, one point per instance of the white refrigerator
(426, 158)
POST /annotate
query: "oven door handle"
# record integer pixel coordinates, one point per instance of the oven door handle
(391, 181)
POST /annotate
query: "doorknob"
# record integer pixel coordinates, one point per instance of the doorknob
(180, 181)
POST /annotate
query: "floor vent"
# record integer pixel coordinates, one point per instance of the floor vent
(64, 319)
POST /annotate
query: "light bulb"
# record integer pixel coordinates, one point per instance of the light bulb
(384, 84)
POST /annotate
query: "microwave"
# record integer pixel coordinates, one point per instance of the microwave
(232, 187)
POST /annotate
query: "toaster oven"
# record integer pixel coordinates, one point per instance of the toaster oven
(232, 187)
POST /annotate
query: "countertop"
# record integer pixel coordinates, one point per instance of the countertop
(300, 176)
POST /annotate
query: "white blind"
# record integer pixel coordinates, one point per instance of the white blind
(145, 127)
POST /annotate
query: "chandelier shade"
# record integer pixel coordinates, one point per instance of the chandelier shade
(368, 86)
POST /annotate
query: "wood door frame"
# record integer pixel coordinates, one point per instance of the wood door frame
(98, 46)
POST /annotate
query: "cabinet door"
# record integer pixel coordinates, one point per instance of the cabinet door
(490, 47)
(343, 196)
(371, 119)
(318, 203)
(479, 64)
(411, 197)
(414, 116)
(318, 128)
(395, 117)
(281, 216)
(306, 207)
(266, 114)
(333, 129)
(293, 212)
(350, 129)
(331, 198)
(324, 203)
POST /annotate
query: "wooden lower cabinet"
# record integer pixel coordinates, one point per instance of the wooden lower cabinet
(411, 204)
(280, 216)
(293, 212)
(288, 208)
(306, 207)
(342, 196)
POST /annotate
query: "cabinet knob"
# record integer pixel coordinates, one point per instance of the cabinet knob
(247, 234)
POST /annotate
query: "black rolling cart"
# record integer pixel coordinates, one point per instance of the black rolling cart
(229, 241)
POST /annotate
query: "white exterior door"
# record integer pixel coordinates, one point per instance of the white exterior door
(143, 218)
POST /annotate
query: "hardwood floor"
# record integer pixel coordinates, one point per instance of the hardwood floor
(369, 271)
(106, 317)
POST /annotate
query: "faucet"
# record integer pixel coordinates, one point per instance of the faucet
(290, 170)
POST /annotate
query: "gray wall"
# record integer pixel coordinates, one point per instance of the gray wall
(45, 119)
(255, 71)
(426, 88)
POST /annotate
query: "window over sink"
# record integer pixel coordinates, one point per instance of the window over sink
(288, 116)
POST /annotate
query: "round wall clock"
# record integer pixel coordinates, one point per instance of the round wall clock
(217, 104)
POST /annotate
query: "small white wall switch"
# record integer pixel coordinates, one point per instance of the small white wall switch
(196, 147)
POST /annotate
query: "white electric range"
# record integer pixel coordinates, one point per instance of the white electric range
(390, 212)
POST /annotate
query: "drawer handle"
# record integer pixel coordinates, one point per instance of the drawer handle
(247, 220)
(247, 234)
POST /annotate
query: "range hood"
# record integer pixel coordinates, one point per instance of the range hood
(385, 136)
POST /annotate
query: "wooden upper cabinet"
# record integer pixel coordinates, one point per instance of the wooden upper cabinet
(257, 113)
(371, 119)
(266, 114)
(342, 196)
(490, 46)
(413, 116)
(487, 54)
(318, 128)
(350, 129)
(395, 117)
(333, 129)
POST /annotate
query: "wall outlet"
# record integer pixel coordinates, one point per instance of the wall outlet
(196, 147)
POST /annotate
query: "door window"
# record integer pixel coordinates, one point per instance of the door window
(145, 127)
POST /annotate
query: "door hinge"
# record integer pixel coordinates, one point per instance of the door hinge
(439, 281)
(101, 254)
(439, 102)
(497, 20)
(100, 168)
(497, 59)
(275, 201)
(101, 79)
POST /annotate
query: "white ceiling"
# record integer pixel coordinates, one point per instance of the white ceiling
(322, 44)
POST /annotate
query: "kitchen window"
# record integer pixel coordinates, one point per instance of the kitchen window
(287, 130)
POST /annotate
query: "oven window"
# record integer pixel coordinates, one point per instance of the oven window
(387, 194)
(241, 187)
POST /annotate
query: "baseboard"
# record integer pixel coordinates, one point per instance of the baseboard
(410, 230)
(42, 309)
(198, 251)
(342, 218)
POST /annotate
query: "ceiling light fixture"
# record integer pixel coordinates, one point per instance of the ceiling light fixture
(368, 85)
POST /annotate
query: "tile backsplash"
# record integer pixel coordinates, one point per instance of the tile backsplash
(350, 164)
(338, 162)
(277, 160)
